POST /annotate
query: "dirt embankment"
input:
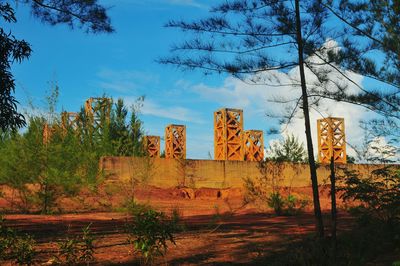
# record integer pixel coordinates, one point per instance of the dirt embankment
(188, 201)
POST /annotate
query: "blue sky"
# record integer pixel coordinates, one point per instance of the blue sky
(123, 65)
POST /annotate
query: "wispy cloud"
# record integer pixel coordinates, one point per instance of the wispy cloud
(125, 81)
(171, 112)
(152, 108)
(157, 3)
(192, 3)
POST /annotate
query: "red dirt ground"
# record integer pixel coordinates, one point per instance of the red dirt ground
(219, 229)
(233, 239)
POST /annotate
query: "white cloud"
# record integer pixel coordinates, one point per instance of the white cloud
(257, 100)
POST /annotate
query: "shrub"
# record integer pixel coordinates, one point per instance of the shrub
(286, 206)
(87, 246)
(135, 208)
(295, 205)
(24, 250)
(276, 202)
(378, 193)
(20, 249)
(79, 249)
(68, 251)
(150, 232)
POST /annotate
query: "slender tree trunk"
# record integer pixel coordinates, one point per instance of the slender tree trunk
(313, 168)
(333, 205)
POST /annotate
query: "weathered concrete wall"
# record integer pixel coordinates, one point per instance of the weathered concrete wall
(166, 173)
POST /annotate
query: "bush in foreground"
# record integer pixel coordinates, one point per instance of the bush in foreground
(150, 232)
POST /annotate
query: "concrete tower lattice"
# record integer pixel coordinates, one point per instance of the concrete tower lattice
(98, 112)
(152, 146)
(331, 140)
(228, 135)
(69, 120)
(175, 142)
(47, 132)
(253, 141)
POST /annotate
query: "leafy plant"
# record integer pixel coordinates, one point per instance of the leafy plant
(276, 202)
(24, 250)
(149, 233)
(14, 247)
(295, 205)
(286, 206)
(377, 193)
(87, 246)
(135, 208)
(68, 250)
(79, 249)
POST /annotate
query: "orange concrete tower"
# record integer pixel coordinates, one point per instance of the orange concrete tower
(253, 141)
(98, 111)
(69, 120)
(228, 135)
(175, 142)
(331, 140)
(47, 132)
(152, 146)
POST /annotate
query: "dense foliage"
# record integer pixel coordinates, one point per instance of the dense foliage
(41, 172)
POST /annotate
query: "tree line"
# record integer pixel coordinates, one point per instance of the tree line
(43, 171)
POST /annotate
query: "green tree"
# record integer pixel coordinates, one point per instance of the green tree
(126, 136)
(288, 149)
(68, 160)
(57, 168)
(136, 128)
(89, 15)
(54, 168)
(119, 133)
(11, 50)
(19, 167)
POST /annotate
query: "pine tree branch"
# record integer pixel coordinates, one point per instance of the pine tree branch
(351, 25)
(40, 3)
(188, 46)
(354, 83)
(198, 28)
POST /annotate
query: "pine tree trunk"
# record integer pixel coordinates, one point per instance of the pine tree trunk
(313, 168)
(333, 206)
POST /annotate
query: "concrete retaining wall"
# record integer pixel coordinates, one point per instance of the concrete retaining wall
(166, 173)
